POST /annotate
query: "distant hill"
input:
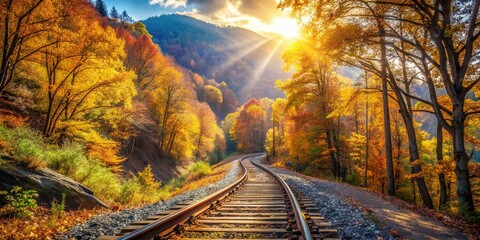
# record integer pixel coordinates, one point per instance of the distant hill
(248, 62)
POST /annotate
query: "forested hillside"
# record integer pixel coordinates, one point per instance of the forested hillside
(94, 98)
(247, 62)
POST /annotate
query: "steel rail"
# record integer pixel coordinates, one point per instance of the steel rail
(301, 222)
(168, 224)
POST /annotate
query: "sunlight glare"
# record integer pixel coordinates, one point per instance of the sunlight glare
(253, 80)
(240, 54)
(287, 27)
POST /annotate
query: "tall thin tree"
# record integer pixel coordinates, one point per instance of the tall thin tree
(114, 13)
(101, 8)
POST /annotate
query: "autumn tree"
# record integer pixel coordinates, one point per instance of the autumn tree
(249, 128)
(314, 84)
(145, 59)
(228, 124)
(213, 96)
(168, 100)
(207, 136)
(83, 81)
(275, 141)
(23, 26)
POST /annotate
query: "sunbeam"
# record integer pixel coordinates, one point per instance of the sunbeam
(241, 54)
(256, 75)
(238, 45)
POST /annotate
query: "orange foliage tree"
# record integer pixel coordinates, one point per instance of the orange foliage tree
(250, 127)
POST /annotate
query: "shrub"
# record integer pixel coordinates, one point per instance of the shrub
(467, 215)
(309, 171)
(20, 203)
(199, 169)
(100, 179)
(24, 145)
(129, 192)
(28, 148)
(57, 209)
(404, 192)
(354, 179)
(147, 179)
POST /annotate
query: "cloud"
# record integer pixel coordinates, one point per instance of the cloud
(208, 7)
(170, 3)
(264, 10)
(253, 14)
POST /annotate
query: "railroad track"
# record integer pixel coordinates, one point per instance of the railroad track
(259, 205)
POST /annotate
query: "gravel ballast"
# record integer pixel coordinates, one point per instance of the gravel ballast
(350, 222)
(111, 224)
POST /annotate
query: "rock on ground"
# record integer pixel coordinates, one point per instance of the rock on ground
(49, 185)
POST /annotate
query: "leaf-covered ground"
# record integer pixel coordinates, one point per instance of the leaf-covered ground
(43, 225)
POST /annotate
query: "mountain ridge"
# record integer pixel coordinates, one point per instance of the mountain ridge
(246, 61)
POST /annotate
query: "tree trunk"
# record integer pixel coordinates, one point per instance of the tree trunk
(464, 190)
(414, 155)
(333, 152)
(273, 132)
(386, 113)
(163, 131)
(367, 138)
(441, 176)
(407, 115)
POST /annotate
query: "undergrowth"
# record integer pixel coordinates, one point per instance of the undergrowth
(19, 203)
(30, 150)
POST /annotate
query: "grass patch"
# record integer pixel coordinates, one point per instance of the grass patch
(199, 170)
(24, 145)
(193, 181)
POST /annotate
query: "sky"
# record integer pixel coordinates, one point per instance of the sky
(256, 15)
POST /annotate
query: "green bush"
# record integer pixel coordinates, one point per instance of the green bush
(199, 169)
(29, 148)
(20, 203)
(58, 208)
(100, 179)
(129, 192)
(467, 215)
(354, 179)
(143, 188)
(404, 192)
(309, 171)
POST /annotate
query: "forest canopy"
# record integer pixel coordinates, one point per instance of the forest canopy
(418, 63)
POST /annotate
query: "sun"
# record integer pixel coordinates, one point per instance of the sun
(286, 27)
